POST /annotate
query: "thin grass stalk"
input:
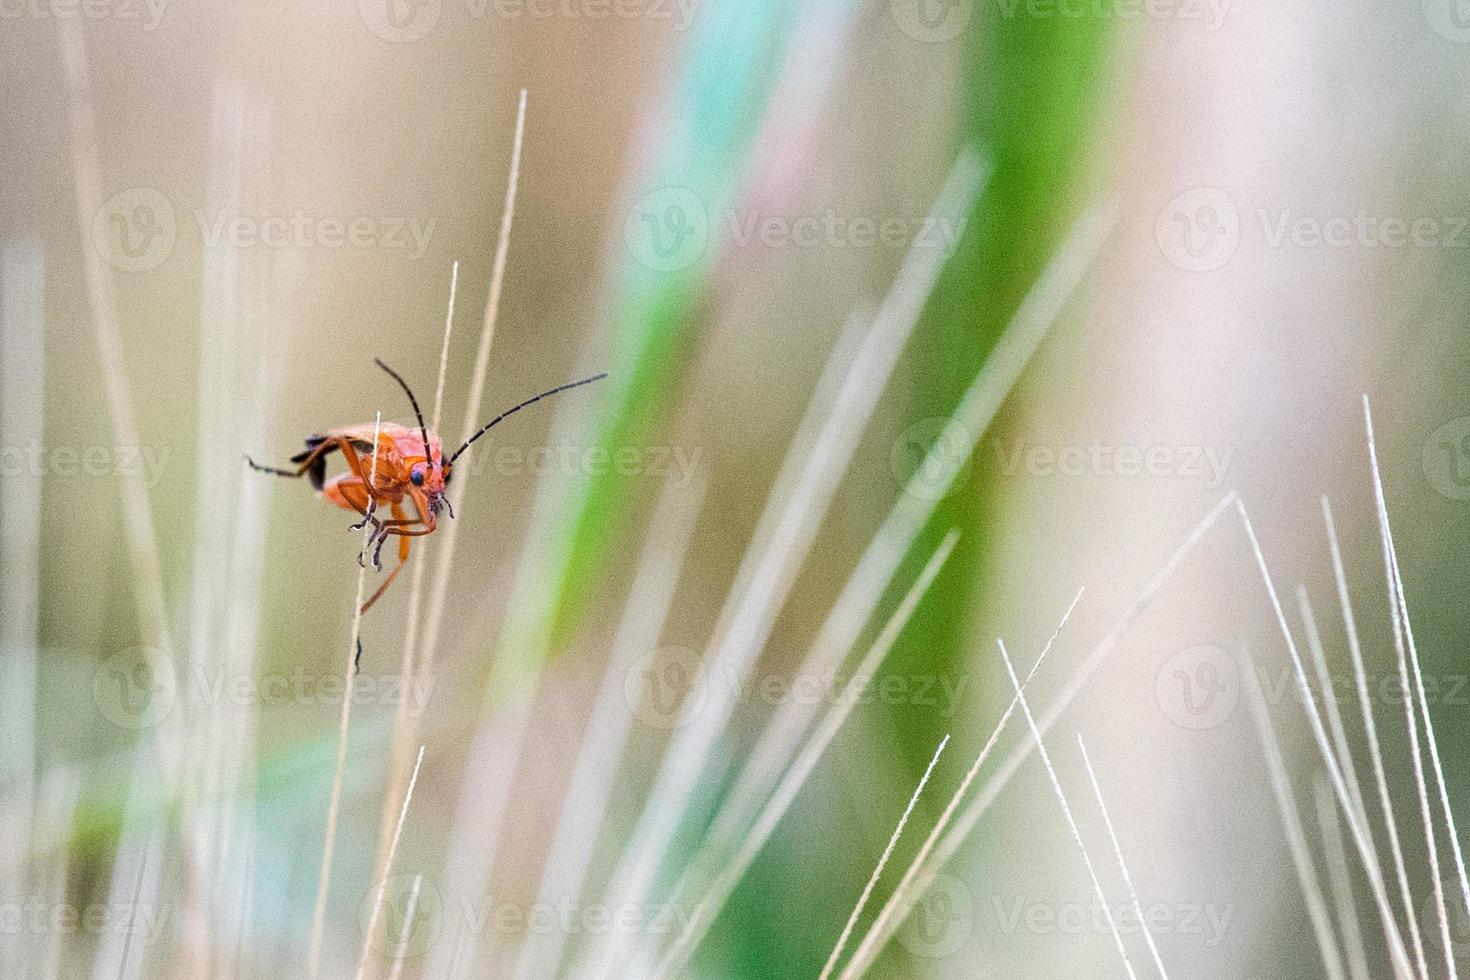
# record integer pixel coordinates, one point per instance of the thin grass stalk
(1375, 875)
(901, 900)
(1330, 708)
(1370, 727)
(22, 405)
(589, 793)
(1296, 838)
(1404, 636)
(1056, 785)
(867, 893)
(950, 843)
(372, 925)
(319, 917)
(50, 838)
(401, 721)
(1148, 935)
(1340, 879)
(713, 900)
(410, 907)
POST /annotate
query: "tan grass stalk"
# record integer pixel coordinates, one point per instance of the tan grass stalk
(862, 902)
(410, 907)
(946, 846)
(1404, 635)
(909, 890)
(713, 900)
(1296, 838)
(1056, 785)
(372, 925)
(594, 777)
(1330, 708)
(319, 917)
(406, 724)
(401, 721)
(1339, 878)
(1148, 935)
(1370, 727)
(1334, 772)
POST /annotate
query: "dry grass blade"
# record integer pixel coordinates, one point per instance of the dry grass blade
(909, 890)
(862, 902)
(410, 907)
(319, 917)
(1404, 636)
(372, 924)
(1296, 838)
(1340, 879)
(1334, 773)
(1370, 727)
(401, 721)
(715, 896)
(1148, 935)
(1056, 785)
(593, 780)
(1330, 707)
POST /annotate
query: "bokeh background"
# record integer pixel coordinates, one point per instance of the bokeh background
(1242, 216)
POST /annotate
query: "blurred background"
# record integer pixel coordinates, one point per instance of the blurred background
(1138, 254)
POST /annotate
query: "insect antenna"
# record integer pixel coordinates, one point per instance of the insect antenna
(529, 401)
(423, 429)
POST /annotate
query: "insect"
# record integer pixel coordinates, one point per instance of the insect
(410, 466)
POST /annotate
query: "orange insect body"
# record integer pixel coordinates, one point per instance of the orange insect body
(406, 466)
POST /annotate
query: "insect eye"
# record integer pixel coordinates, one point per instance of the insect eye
(417, 477)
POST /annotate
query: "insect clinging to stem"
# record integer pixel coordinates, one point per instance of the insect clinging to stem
(410, 464)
